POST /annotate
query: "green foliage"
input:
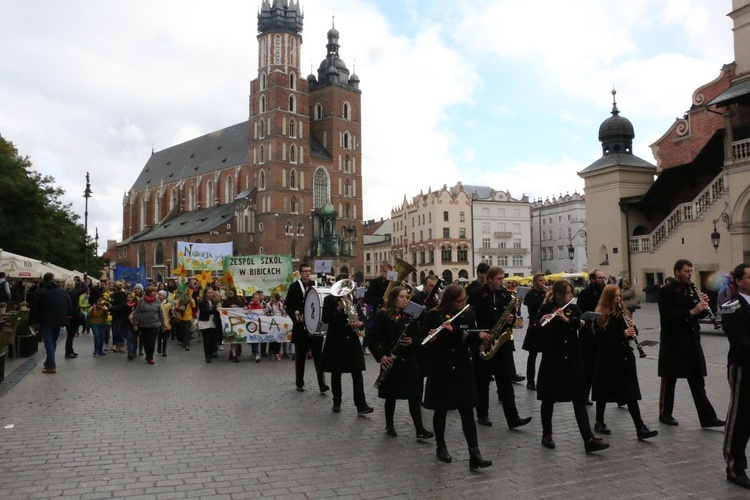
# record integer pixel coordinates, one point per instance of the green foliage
(34, 222)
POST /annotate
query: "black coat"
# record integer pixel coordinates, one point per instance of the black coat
(736, 325)
(404, 380)
(532, 342)
(450, 382)
(561, 375)
(615, 375)
(342, 351)
(680, 351)
(52, 306)
(488, 307)
(587, 301)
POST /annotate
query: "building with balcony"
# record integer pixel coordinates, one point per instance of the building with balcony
(502, 229)
(558, 228)
(698, 205)
(433, 233)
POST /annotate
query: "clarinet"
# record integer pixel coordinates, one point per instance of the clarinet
(714, 319)
(628, 324)
(398, 346)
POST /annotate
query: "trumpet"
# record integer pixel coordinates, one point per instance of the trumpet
(714, 319)
(545, 321)
(441, 327)
(628, 324)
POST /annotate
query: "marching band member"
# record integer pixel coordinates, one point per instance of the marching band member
(615, 375)
(532, 342)
(450, 383)
(735, 321)
(404, 380)
(342, 352)
(295, 306)
(488, 303)
(561, 372)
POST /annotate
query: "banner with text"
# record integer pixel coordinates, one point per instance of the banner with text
(267, 273)
(202, 256)
(240, 325)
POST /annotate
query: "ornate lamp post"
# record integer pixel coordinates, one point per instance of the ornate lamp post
(86, 195)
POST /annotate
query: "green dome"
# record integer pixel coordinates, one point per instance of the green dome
(327, 208)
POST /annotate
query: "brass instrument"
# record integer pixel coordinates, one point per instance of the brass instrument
(714, 319)
(441, 327)
(544, 322)
(500, 333)
(628, 324)
(344, 289)
(403, 269)
(398, 346)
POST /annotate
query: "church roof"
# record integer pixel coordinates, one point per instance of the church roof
(619, 160)
(187, 223)
(208, 153)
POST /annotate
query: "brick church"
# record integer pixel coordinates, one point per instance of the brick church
(286, 181)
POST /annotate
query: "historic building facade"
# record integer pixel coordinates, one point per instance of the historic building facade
(432, 233)
(698, 207)
(286, 181)
(558, 230)
(378, 249)
(501, 226)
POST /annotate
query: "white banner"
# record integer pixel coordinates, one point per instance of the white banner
(246, 326)
(202, 256)
(267, 273)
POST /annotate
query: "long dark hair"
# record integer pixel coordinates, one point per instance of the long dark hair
(450, 295)
(390, 301)
(560, 287)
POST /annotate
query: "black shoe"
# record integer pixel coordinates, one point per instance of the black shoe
(714, 422)
(484, 421)
(476, 461)
(75, 354)
(391, 432)
(531, 386)
(130, 357)
(740, 480)
(364, 410)
(547, 441)
(644, 432)
(164, 354)
(589, 403)
(70, 356)
(425, 434)
(518, 422)
(300, 388)
(443, 455)
(208, 360)
(602, 428)
(595, 444)
(668, 419)
(336, 407)
(517, 378)
(236, 359)
(324, 389)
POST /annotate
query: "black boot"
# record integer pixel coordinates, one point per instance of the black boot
(644, 432)
(476, 461)
(443, 455)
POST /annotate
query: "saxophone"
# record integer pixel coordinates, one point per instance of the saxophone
(500, 333)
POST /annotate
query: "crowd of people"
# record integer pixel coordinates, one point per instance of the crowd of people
(445, 355)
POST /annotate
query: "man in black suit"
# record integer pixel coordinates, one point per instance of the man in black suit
(680, 351)
(295, 308)
(735, 321)
(488, 303)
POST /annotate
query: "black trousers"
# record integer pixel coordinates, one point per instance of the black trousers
(531, 367)
(162, 341)
(148, 340)
(482, 374)
(415, 409)
(737, 430)
(209, 342)
(358, 388)
(582, 418)
(467, 424)
(697, 385)
(315, 345)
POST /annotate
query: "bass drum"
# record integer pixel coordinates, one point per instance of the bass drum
(314, 311)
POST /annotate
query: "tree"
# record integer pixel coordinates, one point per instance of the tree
(34, 222)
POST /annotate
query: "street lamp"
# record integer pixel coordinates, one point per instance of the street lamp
(715, 235)
(86, 195)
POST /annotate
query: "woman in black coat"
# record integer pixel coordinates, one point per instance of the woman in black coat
(342, 352)
(209, 322)
(615, 375)
(404, 380)
(450, 379)
(561, 373)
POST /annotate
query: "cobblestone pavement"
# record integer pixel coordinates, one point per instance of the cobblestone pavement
(182, 428)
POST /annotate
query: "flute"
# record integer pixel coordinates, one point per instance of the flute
(545, 321)
(628, 324)
(441, 327)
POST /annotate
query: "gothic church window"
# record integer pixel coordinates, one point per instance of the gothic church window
(346, 111)
(318, 111)
(292, 154)
(292, 81)
(291, 103)
(321, 186)
(229, 191)
(209, 194)
(292, 128)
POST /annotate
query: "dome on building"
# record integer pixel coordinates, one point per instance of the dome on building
(328, 208)
(616, 126)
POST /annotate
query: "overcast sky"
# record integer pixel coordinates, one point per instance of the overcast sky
(505, 93)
